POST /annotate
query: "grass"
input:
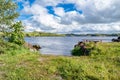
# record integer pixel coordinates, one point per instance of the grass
(26, 65)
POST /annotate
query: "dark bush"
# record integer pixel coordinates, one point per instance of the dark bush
(77, 51)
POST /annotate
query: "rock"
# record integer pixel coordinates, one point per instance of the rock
(84, 51)
(37, 47)
(32, 47)
(116, 40)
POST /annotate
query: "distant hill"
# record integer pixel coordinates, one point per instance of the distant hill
(36, 34)
(93, 34)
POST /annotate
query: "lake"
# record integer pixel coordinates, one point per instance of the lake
(61, 45)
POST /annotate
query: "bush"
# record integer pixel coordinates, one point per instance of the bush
(76, 51)
(79, 51)
(10, 48)
(95, 49)
(16, 35)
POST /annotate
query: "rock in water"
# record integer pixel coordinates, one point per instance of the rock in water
(32, 47)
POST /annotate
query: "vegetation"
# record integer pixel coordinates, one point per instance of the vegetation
(10, 29)
(7, 14)
(18, 63)
(114, 34)
(36, 34)
(43, 34)
(1, 34)
(11, 48)
(16, 35)
(100, 48)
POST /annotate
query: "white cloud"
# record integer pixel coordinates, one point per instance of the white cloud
(59, 11)
(97, 16)
(48, 2)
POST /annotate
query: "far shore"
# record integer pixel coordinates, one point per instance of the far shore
(48, 34)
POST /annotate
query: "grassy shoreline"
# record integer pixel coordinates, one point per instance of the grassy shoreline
(25, 65)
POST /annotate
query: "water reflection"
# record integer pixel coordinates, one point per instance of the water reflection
(60, 45)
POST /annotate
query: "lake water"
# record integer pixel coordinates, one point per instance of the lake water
(60, 45)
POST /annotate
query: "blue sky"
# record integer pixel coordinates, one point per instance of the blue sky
(70, 16)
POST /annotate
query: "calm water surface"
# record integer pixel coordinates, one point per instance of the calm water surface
(60, 45)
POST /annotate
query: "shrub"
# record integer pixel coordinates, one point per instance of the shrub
(77, 51)
(16, 35)
(94, 49)
(10, 48)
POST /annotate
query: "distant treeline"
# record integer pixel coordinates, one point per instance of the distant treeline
(29, 34)
(118, 34)
(36, 34)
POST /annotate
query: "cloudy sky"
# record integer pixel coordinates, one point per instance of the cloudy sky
(70, 16)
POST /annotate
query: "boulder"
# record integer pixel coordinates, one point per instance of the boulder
(37, 47)
(116, 40)
(82, 48)
(32, 47)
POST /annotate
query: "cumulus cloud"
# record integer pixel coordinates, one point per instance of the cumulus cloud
(96, 16)
(59, 11)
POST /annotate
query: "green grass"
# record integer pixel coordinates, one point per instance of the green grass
(1, 34)
(26, 65)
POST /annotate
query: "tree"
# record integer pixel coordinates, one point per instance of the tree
(7, 14)
(16, 35)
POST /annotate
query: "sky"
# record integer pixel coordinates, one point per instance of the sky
(70, 16)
